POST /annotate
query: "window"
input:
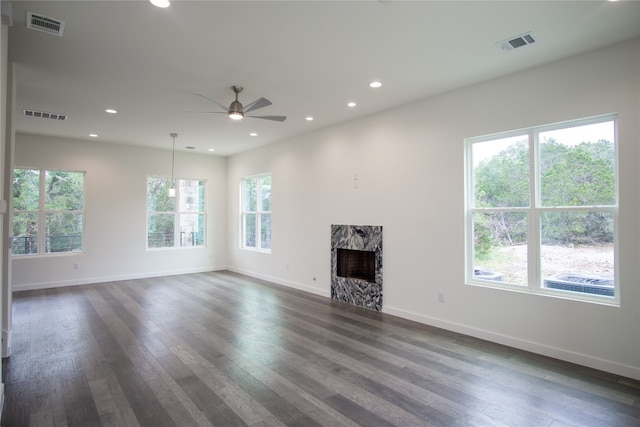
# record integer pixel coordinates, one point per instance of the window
(541, 209)
(255, 222)
(48, 212)
(175, 221)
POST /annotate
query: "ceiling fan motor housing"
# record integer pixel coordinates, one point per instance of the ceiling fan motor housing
(235, 107)
(236, 110)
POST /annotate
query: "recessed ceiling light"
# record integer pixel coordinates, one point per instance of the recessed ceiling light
(111, 111)
(212, 149)
(93, 135)
(253, 134)
(309, 118)
(375, 84)
(351, 104)
(160, 3)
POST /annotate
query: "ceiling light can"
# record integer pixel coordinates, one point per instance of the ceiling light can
(160, 3)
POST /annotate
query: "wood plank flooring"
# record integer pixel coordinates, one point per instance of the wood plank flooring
(227, 350)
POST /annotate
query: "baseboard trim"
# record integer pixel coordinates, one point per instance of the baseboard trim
(282, 282)
(533, 347)
(1, 399)
(105, 279)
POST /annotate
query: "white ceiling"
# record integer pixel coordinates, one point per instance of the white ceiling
(307, 57)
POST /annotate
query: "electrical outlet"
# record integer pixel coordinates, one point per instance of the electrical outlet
(76, 266)
(440, 297)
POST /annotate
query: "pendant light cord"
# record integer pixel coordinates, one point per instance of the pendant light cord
(173, 158)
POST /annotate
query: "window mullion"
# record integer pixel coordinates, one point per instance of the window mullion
(258, 212)
(42, 227)
(176, 215)
(243, 228)
(533, 255)
(469, 212)
(533, 240)
(258, 230)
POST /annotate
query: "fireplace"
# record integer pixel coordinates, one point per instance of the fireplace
(356, 265)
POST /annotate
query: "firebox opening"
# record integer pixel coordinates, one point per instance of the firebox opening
(356, 265)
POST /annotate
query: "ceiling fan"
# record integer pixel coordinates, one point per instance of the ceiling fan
(236, 111)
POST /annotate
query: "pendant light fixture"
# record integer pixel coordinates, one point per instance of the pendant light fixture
(172, 189)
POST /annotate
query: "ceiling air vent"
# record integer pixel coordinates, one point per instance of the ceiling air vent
(516, 42)
(5, 10)
(43, 115)
(45, 24)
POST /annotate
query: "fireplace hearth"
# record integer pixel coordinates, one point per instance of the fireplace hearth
(356, 265)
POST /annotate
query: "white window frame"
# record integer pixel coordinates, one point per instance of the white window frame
(258, 212)
(177, 214)
(42, 215)
(533, 212)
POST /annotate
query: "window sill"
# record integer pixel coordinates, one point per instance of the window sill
(549, 293)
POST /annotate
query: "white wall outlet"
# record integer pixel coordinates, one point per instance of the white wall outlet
(440, 297)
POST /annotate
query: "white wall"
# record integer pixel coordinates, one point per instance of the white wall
(115, 207)
(409, 164)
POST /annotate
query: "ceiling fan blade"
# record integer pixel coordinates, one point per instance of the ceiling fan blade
(258, 103)
(276, 118)
(224, 107)
(206, 112)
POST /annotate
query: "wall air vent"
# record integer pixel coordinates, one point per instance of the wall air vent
(44, 23)
(516, 42)
(43, 115)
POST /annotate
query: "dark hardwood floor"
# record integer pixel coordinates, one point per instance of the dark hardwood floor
(227, 350)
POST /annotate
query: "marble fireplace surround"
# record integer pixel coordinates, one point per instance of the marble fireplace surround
(356, 291)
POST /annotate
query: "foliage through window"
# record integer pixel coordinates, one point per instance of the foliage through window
(48, 212)
(255, 223)
(541, 209)
(175, 221)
